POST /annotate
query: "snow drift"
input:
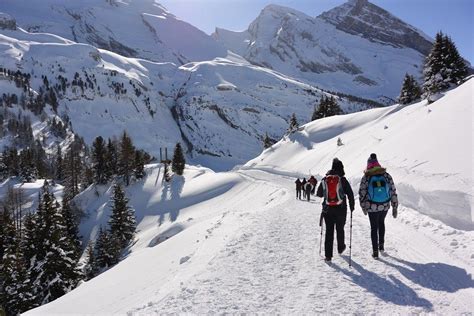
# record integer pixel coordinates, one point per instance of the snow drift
(427, 148)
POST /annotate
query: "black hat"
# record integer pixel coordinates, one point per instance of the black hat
(338, 167)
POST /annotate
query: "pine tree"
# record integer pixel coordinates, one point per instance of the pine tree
(333, 107)
(106, 250)
(293, 124)
(178, 162)
(73, 168)
(98, 160)
(122, 221)
(29, 243)
(16, 290)
(327, 107)
(455, 63)
(434, 67)
(58, 164)
(28, 171)
(40, 161)
(126, 158)
(91, 267)
(410, 92)
(55, 269)
(139, 165)
(12, 161)
(443, 67)
(5, 219)
(267, 141)
(3, 168)
(111, 159)
(71, 228)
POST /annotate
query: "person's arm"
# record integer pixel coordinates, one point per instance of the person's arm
(393, 195)
(348, 191)
(363, 192)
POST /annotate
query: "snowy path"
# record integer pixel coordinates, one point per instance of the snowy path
(273, 266)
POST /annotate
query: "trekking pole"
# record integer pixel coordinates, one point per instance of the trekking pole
(321, 237)
(350, 244)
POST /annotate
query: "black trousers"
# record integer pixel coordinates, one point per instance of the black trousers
(308, 194)
(298, 194)
(377, 228)
(334, 218)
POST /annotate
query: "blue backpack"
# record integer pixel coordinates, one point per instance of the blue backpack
(378, 190)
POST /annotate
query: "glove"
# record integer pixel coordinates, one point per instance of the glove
(365, 211)
(394, 213)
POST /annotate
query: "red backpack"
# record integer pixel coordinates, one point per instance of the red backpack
(333, 193)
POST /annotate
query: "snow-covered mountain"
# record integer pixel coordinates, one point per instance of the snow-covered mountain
(356, 48)
(214, 107)
(165, 81)
(142, 29)
(239, 242)
(364, 19)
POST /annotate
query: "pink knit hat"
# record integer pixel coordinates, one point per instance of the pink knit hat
(372, 162)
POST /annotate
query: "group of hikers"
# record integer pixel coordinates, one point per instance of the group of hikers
(307, 186)
(377, 193)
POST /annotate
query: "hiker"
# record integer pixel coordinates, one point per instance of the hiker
(303, 185)
(314, 183)
(308, 187)
(334, 188)
(299, 186)
(376, 193)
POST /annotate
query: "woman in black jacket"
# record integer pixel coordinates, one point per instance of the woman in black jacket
(334, 188)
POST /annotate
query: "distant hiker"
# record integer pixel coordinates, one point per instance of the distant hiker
(314, 183)
(303, 183)
(376, 192)
(299, 186)
(334, 188)
(308, 187)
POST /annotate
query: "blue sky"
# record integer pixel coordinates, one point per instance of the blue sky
(453, 17)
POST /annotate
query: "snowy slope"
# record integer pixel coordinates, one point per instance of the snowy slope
(97, 109)
(368, 57)
(227, 104)
(428, 149)
(239, 242)
(213, 107)
(131, 28)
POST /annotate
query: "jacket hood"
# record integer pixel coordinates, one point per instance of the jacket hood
(375, 171)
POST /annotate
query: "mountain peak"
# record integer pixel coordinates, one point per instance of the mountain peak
(358, 2)
(280, 10)
(360, 17)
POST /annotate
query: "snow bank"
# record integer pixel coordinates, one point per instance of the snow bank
(428, 149)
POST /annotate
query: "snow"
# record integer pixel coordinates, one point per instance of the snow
(208, 96)
(142, 29)
(419, 145)
(239, 242)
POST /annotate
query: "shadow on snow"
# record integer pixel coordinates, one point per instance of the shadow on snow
(434, 276)
(389, 290)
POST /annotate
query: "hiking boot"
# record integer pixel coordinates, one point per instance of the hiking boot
(327, 259)
(375, 254)
(381, 248)
(342, 249)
